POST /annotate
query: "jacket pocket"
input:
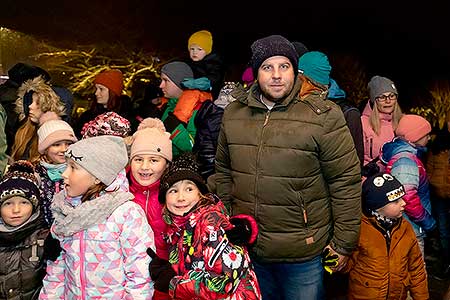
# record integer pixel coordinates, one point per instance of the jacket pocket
(363, 288)
(303, 210)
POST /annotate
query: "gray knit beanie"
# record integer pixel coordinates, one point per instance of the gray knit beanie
(177, 71)
(102, 156)
(273, 45)
(379, 85)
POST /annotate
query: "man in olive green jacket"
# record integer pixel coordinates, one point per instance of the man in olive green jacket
(286, 157)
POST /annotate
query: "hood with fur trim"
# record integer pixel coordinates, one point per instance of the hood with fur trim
(48, 99)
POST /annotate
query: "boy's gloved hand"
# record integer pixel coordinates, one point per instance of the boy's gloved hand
(202, 84)
(161, 271)
(52, 248)
(329, 260)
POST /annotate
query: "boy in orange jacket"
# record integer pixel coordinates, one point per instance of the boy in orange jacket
(387, 262)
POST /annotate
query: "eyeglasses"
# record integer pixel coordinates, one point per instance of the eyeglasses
(383, 98)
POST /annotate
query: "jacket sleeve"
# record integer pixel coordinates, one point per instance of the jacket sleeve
(341, 170)
(207, 121)
(182, 139)
(135, 237)
(3, 142)
(223, 179)
(407, 172)
(220, 274)
(53, 283)
(416, 269)
(354, 124)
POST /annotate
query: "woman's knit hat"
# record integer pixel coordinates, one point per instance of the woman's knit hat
(53, 131)
(203, 38)
(412, 128)
(379, 85)
(177, 71)
(273, 45)
(112, 79)
(20, 180)
(183, 167)
(315, 66)
(48, 99)
(379, 190)
(152, 140)
(109, 123)
(102, 156)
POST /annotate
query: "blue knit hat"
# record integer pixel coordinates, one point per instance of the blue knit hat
(315, 66)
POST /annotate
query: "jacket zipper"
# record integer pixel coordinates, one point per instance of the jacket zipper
(266, 120)
(370, 149)
(82, 274)
(146, 202)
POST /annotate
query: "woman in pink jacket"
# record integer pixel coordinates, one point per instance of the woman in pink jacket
(380, 116)
(103, 234)
(151, 152)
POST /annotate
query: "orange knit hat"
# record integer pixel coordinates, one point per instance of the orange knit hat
(112, 79)
(202, 38)
(413, 128)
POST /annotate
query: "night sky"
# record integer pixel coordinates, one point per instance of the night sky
(407, 42)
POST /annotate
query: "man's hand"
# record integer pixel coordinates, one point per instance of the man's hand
(341, 259)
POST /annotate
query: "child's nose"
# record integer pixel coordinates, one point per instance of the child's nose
(16, 208)
(146, 165)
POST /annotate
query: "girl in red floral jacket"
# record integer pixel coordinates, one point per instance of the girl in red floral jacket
(203, 263)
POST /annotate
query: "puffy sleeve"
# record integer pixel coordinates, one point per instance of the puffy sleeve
(135, 237)
(53, 283)
(341, 170)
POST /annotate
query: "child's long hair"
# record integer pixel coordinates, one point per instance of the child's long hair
(374, 118)
(26, 143)
(93, 192)
(114, 103)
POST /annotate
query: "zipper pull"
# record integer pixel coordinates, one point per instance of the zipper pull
(305, 215)
(267, 118)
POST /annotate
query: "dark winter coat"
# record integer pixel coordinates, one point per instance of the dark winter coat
(352, 117)
(212, 67)
(295, 169)
(48, 189)
(207, 122)
(22, 265)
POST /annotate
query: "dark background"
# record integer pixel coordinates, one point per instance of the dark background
(406, 42)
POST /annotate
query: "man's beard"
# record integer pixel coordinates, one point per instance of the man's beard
(271, 99)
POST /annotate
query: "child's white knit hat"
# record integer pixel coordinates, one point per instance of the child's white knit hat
(53, 131)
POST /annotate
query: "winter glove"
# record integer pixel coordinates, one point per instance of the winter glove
(241, 232)
(161, 272)
(329, 260)
(244, 231)
(172, 122)
(202, 84)
(52, 248)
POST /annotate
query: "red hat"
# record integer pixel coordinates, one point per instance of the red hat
(112, 79)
